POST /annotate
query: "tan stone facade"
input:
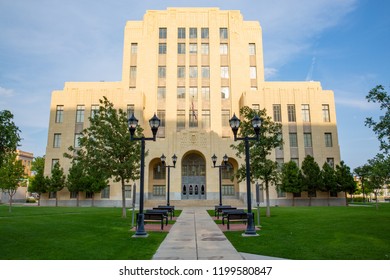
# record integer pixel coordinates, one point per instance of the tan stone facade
(195, 67)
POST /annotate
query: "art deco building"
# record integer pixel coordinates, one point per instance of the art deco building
(194, 68)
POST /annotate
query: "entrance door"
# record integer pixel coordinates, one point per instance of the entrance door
(193, 177)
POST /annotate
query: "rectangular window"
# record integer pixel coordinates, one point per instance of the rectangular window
(205, 72)
(205, 48)
(80, 113)
(193, 93)
(181, 48)
(105, 193)
(205, 93)
(77, 137)
(225, 72)
(130, 110)
(193, 72)
(204, 32)
(158, 190)
(88, 194)
(252, 49)
(161, 93)
(223, 33)
(57, 140)
(181, 92)
(162, 33)
(193, 48)
(54, 161)
(307, 141)
(225, 92)
(330, 161)
(305, 113)
(52, 194)
(193, 116)
(205, 119)
(228, 190)
(73, 195)
(181, 120)
(134, 48)
(161, 116)
(291, 113)
(193, 33)
(225, 114)
(256, 107)
(181, 33)
(181, 71)
(277, 113)
(253, 72)
(94, 110)
(162, 72)
(325, 113)
(60, 114)
(223, 48)
(328, 140)
(162, 48)
(293, 140)
(128, 191)
(133, 72)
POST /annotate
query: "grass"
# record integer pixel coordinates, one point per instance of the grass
(59, 233)
(320, 233)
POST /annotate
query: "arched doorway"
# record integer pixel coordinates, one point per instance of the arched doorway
(193, 177)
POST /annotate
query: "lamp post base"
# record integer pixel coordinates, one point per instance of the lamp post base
(250, 229)
(140, 227)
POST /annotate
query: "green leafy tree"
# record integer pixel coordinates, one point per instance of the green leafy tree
(311, 176)
(9, 135)
(39, 182)
(106, 150)
(56, 182)
(77, 180)
(363, 173)
(11, 175)
(261, 168)
(344, 179)
(379, 175)
(381, 127)
(291, 179)
(328, 180)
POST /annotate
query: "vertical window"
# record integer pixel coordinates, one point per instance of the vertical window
(133, 72)
(94, 110)
(162, 48)
(223, 33)
(193, 72)
(205, 72)
(181, 48)
(325, 113)
(134, 48)
(162, 33)
(205, 48)
(105, 192)
(193, 48)
(305, 113)
(77, 137)
(194, 93)
(193, 117)
(54, 161)
(307, 141)
(162, 72)
(161, 116)
(277, 113)
(225, 92)
(253, 72)
(57, 140)
(181, 92)
(291, 113)
(60, 114)
(181, 71)
(252, 49)
(225, 72)
(80, 113)
(181, 33)
(181, 120)
(193, 33)
(293, 140)
(128, 191)
(330, 161)
(130, 110)
(225, 114)
(223, 48)
(328, 140)
(205, 93)
(205, 119)
(158, 190)
(204, 32)
(161, 93)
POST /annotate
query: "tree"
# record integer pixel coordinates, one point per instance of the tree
(106, 150)
(76, 180)
(11, 175)
(381, 127)
(311, 176)
(328, 180)
(261, 168)
(290, 179)
(39, 182)
(56, 182)
(379, 175)
(344, 179)
(9, 135)
(363, 172)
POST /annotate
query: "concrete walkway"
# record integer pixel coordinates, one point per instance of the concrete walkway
(195, 236)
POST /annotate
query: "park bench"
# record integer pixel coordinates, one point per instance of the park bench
(234, 216)
(151, 216)
(171, 209)
(220, 208)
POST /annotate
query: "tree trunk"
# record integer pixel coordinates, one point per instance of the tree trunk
(10, 203)
(56, 199)
(268, 213)
(78, 199)
(123, 199)
(93, 199)
(293, 200)
(328, 198)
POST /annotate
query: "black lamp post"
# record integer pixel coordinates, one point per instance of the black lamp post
(174, 159)
(256, 124)
(225, 160)
(154, 125)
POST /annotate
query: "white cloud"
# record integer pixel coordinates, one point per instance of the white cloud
(270, 72)
(4, 92)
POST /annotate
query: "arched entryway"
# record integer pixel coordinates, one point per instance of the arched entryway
(193, 179)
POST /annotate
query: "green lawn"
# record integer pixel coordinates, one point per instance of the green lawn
(321, 233)
(59, 233)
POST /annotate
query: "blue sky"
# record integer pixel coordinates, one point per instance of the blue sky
(344, 44)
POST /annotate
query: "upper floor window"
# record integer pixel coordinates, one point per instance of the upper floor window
(204, 32)
(291, 113)
(130, 110)
(325, 113)
(253, 72)
(305, 113)
(223, 33)
(193, 72)
(277, 113)
(162, 33)
(133, 72)
(252, 49)
(225, 72)
(193, 48)
(162, 48)
(161, 93)
(205, 48)
(94, 110)
(181, 71)
(225, 92)
(328, 139)
(60, 114)
(162, 72)
(193, 33)
(223, 49)
(134, 48)
(80, 113)
(181, 48)
(181, 33)
(57, 140)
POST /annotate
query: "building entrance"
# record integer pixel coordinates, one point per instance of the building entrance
(193, 177)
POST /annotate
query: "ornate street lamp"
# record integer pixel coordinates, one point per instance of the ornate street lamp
(256, 124)
(225, 160)
(174, 159)
(154, 125)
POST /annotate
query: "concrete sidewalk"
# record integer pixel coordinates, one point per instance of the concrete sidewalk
(195, 236)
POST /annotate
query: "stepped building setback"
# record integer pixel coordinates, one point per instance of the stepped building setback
(194, 68)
